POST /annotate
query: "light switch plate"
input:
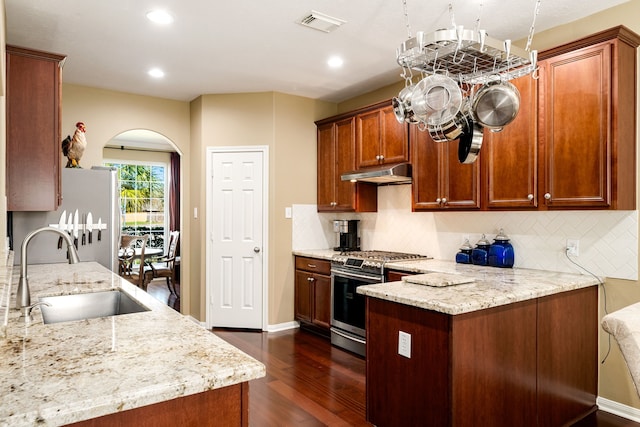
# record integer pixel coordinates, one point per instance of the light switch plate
(404, 344)
(287, 212)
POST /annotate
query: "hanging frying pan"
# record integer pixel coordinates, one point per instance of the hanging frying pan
(470, 142)
(496, 104)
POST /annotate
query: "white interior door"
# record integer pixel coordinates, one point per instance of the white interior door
(235, 268)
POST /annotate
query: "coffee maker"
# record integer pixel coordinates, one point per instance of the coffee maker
(347, 230)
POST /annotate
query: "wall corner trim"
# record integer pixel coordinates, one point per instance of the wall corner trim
(618, 409)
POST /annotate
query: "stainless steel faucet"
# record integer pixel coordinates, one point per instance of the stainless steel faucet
(23, 295)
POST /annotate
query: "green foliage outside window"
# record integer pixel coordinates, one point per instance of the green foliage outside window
(142, 200)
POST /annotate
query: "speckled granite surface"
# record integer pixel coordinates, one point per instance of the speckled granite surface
(66, 372)
(317, 253)
(492, 287)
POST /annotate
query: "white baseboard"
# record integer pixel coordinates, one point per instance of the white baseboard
(618, 409)
(282, 326)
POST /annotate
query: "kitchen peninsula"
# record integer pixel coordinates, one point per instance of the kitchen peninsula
(512, 347)
(151, 368)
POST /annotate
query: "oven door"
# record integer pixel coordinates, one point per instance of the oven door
(348, 306)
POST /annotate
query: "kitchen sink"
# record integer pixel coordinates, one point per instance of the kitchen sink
(66, 308)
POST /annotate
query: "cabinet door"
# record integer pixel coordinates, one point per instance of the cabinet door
(440, 181)
(461, 182)
(326, 166)
(369, 128)
(427, 170)
(303, 296)
(510, 158)
(33, 130)
(322, 301)
(345, 191)
(575, 124)
(395, 142)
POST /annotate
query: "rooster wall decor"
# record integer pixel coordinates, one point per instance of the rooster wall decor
(73, 148)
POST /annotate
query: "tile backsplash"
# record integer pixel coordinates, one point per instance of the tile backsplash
(608, 240)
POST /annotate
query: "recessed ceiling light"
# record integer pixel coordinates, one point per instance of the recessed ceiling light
(335, 62)
(160, 17)
(156, 73)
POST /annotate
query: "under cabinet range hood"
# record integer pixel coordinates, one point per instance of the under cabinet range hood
(387, 174)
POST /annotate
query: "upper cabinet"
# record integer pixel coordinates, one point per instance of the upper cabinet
(587, 129)
(510, 157)
(33, 100)
(440, 181)
(336, 155)
(381, 139)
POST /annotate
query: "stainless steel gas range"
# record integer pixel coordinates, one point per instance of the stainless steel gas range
(348, 271)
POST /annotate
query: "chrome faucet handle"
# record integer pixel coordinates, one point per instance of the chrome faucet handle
(25, 312)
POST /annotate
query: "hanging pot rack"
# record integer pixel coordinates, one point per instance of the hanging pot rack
(465, 55)
(470, 58)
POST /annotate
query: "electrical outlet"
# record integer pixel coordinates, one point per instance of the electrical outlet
(404, 344)
(573, 247)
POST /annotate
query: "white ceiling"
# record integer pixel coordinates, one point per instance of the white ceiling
(255, 45)
(239, 46)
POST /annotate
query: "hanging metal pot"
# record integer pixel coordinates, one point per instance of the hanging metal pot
(470, 142)
(402, 106)
(450, 130)
(436, 99)
(495, 105)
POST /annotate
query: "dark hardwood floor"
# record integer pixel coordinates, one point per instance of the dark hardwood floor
(311, 383)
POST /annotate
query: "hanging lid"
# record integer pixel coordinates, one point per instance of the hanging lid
(501, 236)
(483, 241)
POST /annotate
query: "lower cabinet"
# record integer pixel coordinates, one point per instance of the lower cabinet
(227, 406)
(313, 293)
(530, 363)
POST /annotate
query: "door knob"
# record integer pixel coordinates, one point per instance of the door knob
(547, 196)
(256, 249)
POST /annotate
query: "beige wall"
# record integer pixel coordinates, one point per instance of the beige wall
(285, 124)
(108, 113)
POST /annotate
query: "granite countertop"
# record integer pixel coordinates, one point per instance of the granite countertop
(492, 286)
(61, 373)
(325, 254)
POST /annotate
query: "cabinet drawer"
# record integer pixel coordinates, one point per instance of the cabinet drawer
(313, 264)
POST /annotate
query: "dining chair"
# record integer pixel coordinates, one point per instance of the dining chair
(138, 273)
(166, 266)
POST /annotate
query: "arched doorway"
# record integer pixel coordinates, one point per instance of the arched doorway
(149, 173)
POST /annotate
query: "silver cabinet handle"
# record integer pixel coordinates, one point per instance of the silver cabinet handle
(547, 196)
(530, 197)
(444, 200)
(312, 266)
(438, 200)
(256, 249)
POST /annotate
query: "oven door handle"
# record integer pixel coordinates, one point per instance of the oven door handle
(348, 275)
(349, 337)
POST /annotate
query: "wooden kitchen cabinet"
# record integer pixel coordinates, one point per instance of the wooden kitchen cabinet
(381, 139)
(530, 363)
(33, 144)
(336, 155)
(587, 129)
(313, 293)
(440, 181)
(510, 157)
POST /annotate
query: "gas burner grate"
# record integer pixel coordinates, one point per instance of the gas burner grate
(382, 255)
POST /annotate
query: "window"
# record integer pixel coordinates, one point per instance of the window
(143, 200)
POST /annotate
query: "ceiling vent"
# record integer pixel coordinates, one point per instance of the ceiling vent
(320, 21)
